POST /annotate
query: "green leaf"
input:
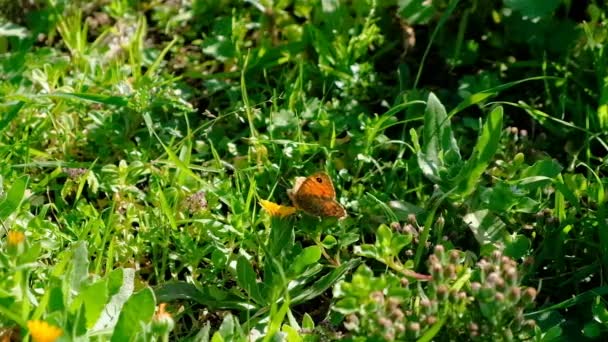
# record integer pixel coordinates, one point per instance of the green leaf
(120, 288)
(518, 247)
(486, 227)
(10, 114)
(368, 251)
(8, 29)
(347, 305)
(246, 278)
(399, 242)
(80, 266)
(13, 198)
(533, 8)
(230, 330)
(384, 235)
(94, 98)
(540, 171)
(209, 296)
(598, 308)
(308, 256)
(203, 334)
(325, 282)
(416, 12)
(329, 241)
(307, 322)
(486, 147)
(485, 94)
(281, 238)
(138, 309)
(592, 330)
(94, 298)
(438, 140)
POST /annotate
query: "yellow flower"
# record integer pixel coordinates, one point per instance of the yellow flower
(41, 331)
(276, 209)
(15, 238)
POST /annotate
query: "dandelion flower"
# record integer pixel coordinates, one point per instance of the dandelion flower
(15, 238)
(41, 331)
(276, 209)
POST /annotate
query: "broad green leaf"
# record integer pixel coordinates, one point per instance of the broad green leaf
(346, 306)
(246, 278)
(94, 298)
(209, 296)
(13, 199)
(501, 197)
(120, 288)
(290, 334)
(308, 256)
(398, 242)
(543, 169)
(383, 239)
(325, 282)
(138, 310)
(486, 227)
(486, 147)
(230, 330)
(307, 322)
(329, 241)
(56, 300)
(533, 8)
(203, 334)
(416, 12)
(368, 251)
(95, 98)
(282, 236)
(80, 266)
(592, 330)
(438, 140)
(517, 247)
(10, 114)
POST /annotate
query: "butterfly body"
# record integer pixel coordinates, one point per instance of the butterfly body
(316, 196)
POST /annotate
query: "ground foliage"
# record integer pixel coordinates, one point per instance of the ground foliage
(466, 140)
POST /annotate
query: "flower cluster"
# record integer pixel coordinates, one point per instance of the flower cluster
(196, 202)
(501, 301)
(460, 301)
(75, 173)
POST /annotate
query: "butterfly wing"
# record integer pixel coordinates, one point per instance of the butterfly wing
(316, 196)
(318, 206)
(318, 184)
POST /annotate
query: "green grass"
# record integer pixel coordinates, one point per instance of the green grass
(466, 140)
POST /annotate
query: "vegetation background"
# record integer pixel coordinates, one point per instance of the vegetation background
(466, 140)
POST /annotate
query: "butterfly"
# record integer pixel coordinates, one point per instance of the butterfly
(315, 195)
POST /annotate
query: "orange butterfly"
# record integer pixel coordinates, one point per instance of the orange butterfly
(315, 195)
